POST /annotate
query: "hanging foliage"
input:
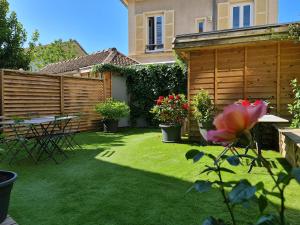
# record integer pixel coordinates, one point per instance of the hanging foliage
(145, 83)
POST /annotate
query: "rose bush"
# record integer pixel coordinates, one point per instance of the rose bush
(171, 110)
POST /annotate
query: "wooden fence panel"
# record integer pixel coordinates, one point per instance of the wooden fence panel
(260, 71)
(23, 93)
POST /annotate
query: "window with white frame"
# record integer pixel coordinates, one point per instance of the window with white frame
(242, 15)
(155, 35)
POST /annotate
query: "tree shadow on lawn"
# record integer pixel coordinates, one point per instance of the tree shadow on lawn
(91, 191)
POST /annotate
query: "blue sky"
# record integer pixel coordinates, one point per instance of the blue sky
(95, 24)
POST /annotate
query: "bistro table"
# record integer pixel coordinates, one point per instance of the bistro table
(258, 133)
(43, 131)
(258, 130)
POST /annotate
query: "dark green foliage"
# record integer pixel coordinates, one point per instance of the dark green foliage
(12, 38)
(294, 108)
(294, 31)
(146, 83)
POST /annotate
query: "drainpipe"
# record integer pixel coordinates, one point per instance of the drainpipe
(214, 14)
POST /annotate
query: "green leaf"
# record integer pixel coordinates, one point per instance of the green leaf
(211, 156)
(194, 154)
(268, 220)
(260, 186)
(212, 221)
(233, 160)
(296, 174)
(202, 186)
(226, 170)
(208, 170)
(283, 178)
(262, 203)
(242, 192)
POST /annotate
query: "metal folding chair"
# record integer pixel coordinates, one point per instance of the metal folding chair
(72, 131)
(19, 142)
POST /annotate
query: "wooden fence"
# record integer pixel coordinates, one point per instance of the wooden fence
(262, 70)
(24, 92)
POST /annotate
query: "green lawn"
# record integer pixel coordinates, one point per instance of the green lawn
(129, 178)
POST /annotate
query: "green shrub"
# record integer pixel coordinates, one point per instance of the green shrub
(112, 109)
(146, 83)
(203, 109)
(294, 108)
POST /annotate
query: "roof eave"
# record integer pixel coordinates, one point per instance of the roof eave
(125, 3)
(228, 37)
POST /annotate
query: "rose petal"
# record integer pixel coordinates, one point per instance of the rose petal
(256, 112)
(223, 136)
(235, 118)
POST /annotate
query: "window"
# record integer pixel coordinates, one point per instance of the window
(155, 33)
(200, 25)
(242, 15)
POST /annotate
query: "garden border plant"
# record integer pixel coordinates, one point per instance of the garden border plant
(145, 83)
(111, 111)
(233, 125)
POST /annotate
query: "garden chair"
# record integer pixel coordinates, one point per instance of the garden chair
(72, 131)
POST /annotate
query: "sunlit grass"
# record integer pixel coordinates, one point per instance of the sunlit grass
(129, 178)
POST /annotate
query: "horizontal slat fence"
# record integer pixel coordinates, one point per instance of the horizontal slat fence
(23, 93)
(256, 71)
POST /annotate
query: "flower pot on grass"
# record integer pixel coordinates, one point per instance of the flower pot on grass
(111, 112)
(171, 112)
(204, 112)
(110, 126)
(170, 133)
(7, 180)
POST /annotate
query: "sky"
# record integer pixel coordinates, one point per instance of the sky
(95, 24)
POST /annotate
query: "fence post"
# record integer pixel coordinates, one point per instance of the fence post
(2, 92)
(62, 102)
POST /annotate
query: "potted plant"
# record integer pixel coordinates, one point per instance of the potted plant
(203, 111)
(111, 111)
(170, 112)
(7, 180)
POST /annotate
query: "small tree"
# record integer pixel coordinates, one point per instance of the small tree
(12, 38)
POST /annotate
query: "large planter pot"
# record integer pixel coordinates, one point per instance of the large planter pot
(170, 133)
(7, 180)
(110, 126)
(202, 130)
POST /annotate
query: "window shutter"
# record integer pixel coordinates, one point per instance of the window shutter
(140, 43)
(169, 29)
(261, 12)
(223, 16)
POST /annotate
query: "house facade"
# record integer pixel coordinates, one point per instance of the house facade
(153, 24)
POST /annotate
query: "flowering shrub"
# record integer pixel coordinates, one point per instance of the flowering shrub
(171, 110)
(236, 121)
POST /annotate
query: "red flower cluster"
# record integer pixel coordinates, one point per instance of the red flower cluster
(247, 103)
(172, 109)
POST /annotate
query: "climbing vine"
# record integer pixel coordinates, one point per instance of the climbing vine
(145, 83)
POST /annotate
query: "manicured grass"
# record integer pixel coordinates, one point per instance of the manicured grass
(129, 178)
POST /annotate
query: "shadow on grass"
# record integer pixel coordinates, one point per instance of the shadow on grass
(87, 190)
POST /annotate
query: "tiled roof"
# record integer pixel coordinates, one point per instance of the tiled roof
(111, 55)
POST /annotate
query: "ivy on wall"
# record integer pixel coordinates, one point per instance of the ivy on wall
(146, 83)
